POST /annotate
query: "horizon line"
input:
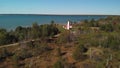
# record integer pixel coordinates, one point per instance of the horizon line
(58, 14)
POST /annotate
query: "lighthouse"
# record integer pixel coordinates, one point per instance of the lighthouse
(67, 26)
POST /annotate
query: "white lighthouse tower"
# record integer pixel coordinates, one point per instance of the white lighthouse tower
(67, 26)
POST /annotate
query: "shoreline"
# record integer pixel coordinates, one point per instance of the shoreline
(10, 21)
(66, 14)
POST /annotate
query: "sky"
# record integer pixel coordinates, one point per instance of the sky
(99, 7)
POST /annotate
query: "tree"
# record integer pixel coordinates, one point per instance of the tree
(49, 30)
(44, 31)
(6, 37)
(36, 32)
(3, 36)
(52, 22)
(92, 22)
(107, 27)
(20, 33)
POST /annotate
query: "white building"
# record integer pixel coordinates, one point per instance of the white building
(67, 26)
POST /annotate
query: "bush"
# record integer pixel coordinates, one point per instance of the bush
(58, 64)
(107, 27)
(112, 41)
(23, 54)
(15, 61)
(4, 53)
(41, 48)
(78, 53)
(30, 44)
(66, 37)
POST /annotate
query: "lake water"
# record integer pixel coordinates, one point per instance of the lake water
(12, 21)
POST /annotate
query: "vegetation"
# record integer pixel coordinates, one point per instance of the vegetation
(58, 64)
(89, 44)
(78, 54)
(25, 33)
(15, 61)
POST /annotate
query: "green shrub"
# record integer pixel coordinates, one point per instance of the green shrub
(58, 64)
(23, 54)
(15, 61)
(78, 53)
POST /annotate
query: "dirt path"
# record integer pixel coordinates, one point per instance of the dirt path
(9, 45)
(14, 44)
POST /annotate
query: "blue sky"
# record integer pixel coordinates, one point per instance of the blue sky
(111, 7)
